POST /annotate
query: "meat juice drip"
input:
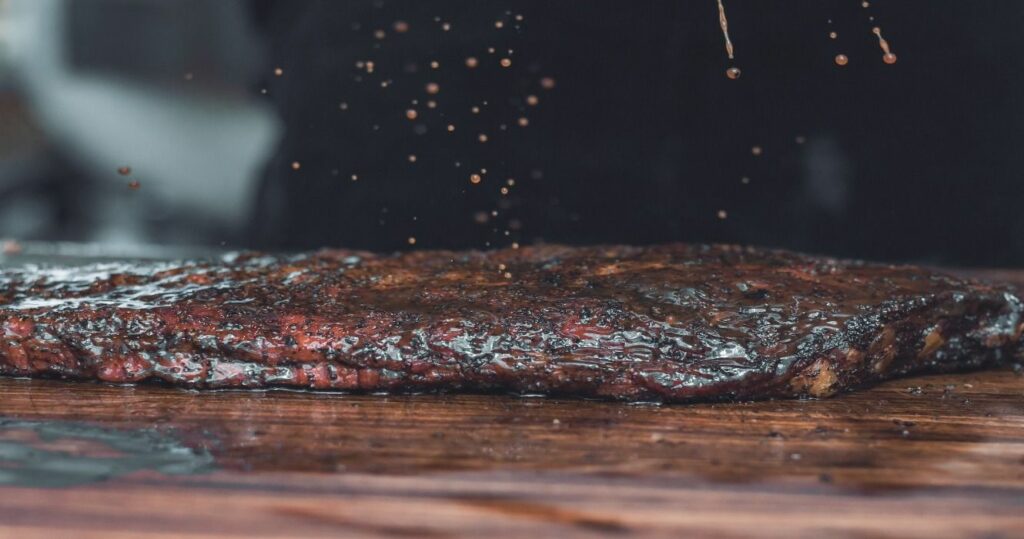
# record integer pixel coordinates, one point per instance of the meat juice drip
(887, 55)
(733, 72)
(724, 23)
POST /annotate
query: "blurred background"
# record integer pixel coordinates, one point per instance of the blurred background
(399, 124)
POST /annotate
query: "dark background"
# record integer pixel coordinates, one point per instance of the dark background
(643, 139)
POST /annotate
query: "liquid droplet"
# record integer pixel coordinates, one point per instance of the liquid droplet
(724, 23)
(733, 73)
(842, 60)
(124, 171)
(887, 55)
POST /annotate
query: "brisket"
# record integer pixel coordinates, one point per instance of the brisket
(668, 323)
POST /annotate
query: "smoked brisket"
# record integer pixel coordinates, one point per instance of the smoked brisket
(668, 323)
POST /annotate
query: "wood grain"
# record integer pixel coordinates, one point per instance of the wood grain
(938, 456)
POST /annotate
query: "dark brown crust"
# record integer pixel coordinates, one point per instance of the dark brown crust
(670, 323)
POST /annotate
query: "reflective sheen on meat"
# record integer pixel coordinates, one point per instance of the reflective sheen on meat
(672, 323)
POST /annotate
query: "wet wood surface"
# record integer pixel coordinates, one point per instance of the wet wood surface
(933, 456)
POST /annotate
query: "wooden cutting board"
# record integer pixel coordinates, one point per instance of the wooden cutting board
(937, 456)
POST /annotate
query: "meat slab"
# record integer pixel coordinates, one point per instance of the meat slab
(670, 323)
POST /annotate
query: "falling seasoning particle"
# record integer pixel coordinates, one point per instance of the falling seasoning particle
(800, 139)
(547, 83)
(412, 158)
(370, 66)
(343, 106)
(296, 165)
(515, 245)
(472, 62)
(865, 4)
(475, 110)
(411, 114)
(757, 150)
(733, 73)
(355, 177)
(124, 171)
(431, 104)
(446, 26)
(189, 76)
(842, 60)
(504, 190)
(134, 185)
(722, 214)
(433, 88)
(523, 122)
(506, 62)
(400, 26)
(475, 179)
(278, 72)
(451, 128)
(508, 275)
(502, 267)
(482, 137)
(511, 182)
(833, 35)
(434, 64)
(499, 24)
(745, 180)
(532, 100)
(379, 34)
(481, 217)
(411, 240)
